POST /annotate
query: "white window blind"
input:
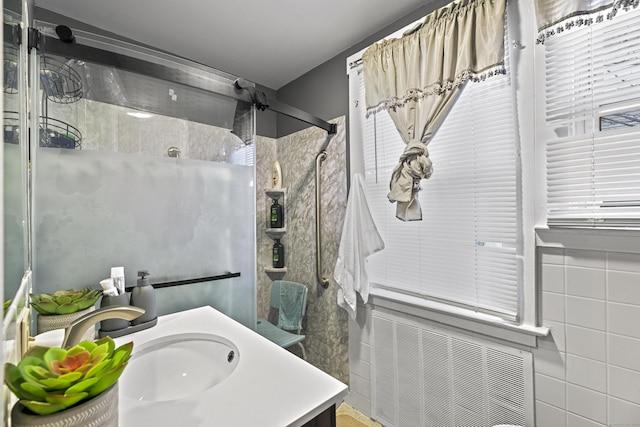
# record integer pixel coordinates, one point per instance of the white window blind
(464, 251)
(592, 119)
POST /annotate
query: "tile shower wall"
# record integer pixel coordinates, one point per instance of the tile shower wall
(587, 373)
(107, 127)
(326, 324)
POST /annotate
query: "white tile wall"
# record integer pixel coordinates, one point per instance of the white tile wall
(623, 413)
(549, 415)
(553, 278)
(624, 352)
(585, 282)
(550, 390)
(574, 420)
(588, 371)
(586, 342)
(619, 316)
(624, 384)
(588, 403)
(623, 287)
(585, 312)
(553, 306)
(360, 361)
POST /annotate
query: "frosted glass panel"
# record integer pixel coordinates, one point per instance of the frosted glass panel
(177, 218)
(13, 196)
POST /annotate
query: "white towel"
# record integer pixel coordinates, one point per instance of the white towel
(360, 238)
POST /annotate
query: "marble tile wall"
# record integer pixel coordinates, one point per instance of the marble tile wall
(108, 128)
(326, 324)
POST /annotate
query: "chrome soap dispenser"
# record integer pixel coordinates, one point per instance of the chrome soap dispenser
(144, 296)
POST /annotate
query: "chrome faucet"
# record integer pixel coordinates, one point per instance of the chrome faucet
(74, 332)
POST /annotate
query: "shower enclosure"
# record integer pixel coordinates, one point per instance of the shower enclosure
(142, 160)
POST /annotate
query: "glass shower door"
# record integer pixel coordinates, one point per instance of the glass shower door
(141, 163)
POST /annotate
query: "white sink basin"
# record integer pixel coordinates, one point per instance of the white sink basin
(179, 375)
(178, 366)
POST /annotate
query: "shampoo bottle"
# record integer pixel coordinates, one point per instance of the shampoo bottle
(278, 254)
(144, 296)
(277, 215)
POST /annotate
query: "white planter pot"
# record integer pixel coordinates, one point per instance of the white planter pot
(61, 321)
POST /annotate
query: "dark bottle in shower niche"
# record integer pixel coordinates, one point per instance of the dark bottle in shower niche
(277, 215)
(278, 254)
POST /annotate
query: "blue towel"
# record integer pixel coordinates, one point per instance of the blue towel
(291, 300)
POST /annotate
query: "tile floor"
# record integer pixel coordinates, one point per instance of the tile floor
(346, 416)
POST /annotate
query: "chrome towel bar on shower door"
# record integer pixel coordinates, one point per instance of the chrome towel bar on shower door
(321, 279)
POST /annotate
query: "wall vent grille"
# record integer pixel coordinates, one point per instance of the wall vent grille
(427, 376)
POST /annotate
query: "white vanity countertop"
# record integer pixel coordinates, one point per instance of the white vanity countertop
(269, 387)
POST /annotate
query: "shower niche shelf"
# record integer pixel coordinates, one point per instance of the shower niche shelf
(275, 233)
(275, 193)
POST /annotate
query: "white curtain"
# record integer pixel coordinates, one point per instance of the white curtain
(556, 16)
(418, 77)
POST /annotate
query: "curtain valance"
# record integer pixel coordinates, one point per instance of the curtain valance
(462, 41)
(418, 77)
(556, 16)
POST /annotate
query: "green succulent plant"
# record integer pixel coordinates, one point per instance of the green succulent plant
(65, 302)
(49, 380)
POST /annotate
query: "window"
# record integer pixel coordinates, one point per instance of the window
(466, 250)
(592, 118)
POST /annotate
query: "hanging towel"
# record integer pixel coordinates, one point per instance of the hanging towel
(360, 238)
(291, 300)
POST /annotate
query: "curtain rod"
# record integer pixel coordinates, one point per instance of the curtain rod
(355, 64)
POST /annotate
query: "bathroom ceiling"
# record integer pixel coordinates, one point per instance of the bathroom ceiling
(270, 42)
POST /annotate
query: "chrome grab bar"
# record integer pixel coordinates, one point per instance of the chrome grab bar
(322, 280)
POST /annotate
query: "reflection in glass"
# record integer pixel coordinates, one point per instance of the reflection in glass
(622, 120)
(14, 163)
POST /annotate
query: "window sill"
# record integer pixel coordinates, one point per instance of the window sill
(600, 239)
(467, 320)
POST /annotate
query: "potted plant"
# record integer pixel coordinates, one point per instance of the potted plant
(70, 387)
(59, 309)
